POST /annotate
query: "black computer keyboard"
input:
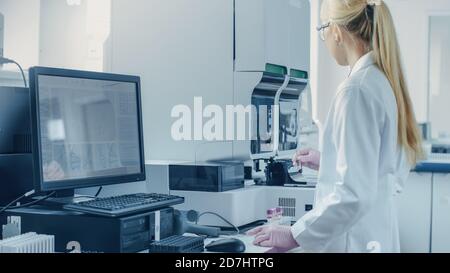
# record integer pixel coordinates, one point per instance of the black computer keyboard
(126, 204)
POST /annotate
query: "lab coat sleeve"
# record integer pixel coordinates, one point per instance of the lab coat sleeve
(405, 168)
(357, 123)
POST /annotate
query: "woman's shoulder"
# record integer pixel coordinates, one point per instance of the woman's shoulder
(367, 77)
(369, 83)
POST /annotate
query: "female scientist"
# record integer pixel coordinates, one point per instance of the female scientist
(368, 145)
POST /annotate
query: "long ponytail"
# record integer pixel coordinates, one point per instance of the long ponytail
(387, 56)
(371, 21)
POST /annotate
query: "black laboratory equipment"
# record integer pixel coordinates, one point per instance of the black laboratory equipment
(16, 176)
(76, 129)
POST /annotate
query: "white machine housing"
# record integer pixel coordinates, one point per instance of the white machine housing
(245, 206)
(266, 32)
(241, 207)
(216, 50)
(270, 32)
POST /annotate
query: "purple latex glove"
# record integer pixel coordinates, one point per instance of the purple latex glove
(309, 158)
(276, 237)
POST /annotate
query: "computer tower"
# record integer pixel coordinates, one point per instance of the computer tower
(16, 163)
(93, 234)
(16, 176)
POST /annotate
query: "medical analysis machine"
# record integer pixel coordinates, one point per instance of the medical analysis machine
(281, 124)
(283, 103)
(272, 75)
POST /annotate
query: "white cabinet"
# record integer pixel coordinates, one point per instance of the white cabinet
(424, 214)
(184, 49)
(299, 34)
(414, 214)
(277, 31)
(272, 31)
(181, 49)
(441, 214)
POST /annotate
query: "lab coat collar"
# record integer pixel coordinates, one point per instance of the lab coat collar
(363, 62)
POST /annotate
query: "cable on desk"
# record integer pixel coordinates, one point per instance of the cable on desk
(91, 196)
(221, 217)
(17, 200)
(98, 192)
(9, 206)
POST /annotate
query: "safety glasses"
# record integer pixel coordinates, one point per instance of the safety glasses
(321, 30)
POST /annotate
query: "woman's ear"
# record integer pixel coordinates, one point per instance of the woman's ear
(338, 35)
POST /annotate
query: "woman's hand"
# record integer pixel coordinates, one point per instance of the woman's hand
(276, 237)
(309, 158)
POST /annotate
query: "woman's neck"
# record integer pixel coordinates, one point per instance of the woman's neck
(355, 53)
(354, 57)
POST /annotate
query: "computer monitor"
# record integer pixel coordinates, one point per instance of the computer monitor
(86, 129)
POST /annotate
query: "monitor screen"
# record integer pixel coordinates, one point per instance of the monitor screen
(292, 113)
(288, 133)
(88, 129)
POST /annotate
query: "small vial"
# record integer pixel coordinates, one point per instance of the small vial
(271, 216)
(278, 216)
(279, 213)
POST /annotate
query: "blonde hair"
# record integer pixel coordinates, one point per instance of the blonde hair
(371, 21)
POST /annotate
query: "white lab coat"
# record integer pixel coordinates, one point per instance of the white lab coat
(362, 168)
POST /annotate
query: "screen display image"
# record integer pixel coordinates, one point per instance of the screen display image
(288, 133)
(262, 138)
(294, 113)
(88, 128)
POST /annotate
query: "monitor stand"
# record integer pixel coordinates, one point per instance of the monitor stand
(64, 197)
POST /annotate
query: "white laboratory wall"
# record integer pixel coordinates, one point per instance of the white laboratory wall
(439, 75)
(411, 19)
(315, 50)
(181, 49)
(21, 37)
(75, 36)
(326, 74)
(62, 34)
